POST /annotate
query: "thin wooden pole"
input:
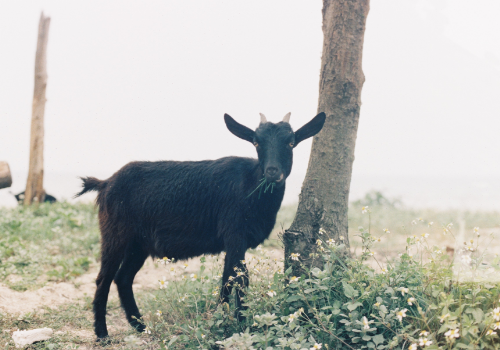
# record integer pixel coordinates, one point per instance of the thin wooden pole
(34, 185)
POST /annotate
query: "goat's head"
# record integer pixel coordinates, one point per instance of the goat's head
(275, 143)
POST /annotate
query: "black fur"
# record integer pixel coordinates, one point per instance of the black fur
(48, 198)
(185, 209)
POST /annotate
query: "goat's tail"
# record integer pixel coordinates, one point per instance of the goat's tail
(91, 184)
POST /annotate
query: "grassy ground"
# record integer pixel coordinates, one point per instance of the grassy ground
(46, 243)
(42, 245)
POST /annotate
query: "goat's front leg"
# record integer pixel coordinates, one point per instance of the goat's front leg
(235, 273)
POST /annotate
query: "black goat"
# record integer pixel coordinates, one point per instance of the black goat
(185, 209)
(20, 198)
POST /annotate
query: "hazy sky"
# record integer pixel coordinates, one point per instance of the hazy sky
(152, 80)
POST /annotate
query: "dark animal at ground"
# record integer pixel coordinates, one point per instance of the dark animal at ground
(48, 198)
(185, 209)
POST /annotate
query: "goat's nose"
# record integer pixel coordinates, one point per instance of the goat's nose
(271, 171)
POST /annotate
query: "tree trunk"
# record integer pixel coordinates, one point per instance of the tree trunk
(5, 176)
(325, 192)
(34, 186)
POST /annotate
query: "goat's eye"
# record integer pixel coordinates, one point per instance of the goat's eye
(290, 144)
(255, 144)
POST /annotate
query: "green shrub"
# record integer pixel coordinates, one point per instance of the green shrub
(416, 301)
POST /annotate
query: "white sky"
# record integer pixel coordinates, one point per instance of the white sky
(152, 80)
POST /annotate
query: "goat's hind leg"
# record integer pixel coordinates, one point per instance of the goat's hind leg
(132, 263)
(111, 257)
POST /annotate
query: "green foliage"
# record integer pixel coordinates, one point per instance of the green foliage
(59, 240)
(415, 301)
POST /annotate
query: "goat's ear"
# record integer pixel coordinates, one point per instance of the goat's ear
(239, 130)
(310, 129)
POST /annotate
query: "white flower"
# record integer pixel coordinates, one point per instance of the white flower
(401, 314)
(384, 271)
(371, 253)
(376, 304)
(443, 317)
(193, 277)
(147, 330)
(466, 259)
(365, 323)
(364, 210)
(413, 222)
(165, 261)
(476, 230)
(449, 226)
(185, 266)
(425, 342)
(496, 325)
(215, 293)
(341, 238)
(411, 301)
(172, 270)
(294, 279)
(203, 336)
(404, 290)
(259, 248)
(496, 314)
(322, 231)
(413, 347)
(491, 332)
(430, 223)
(271, 293)
(331, 242)
(158, 313)
(420, 219)
(292, 317)
(295, 256)
(425, 235)
(218, 277)
(316, 346)
(452, 333)
(424, 334)
(163, 283)
(318, 242)
(386, 230)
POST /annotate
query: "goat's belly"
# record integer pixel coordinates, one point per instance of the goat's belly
(185, 245)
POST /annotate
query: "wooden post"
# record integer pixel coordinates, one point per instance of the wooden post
(34, 186)
(5, 177)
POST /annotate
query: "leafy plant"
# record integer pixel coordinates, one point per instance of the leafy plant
(417, 300)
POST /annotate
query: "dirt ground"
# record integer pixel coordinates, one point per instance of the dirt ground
(81, 290)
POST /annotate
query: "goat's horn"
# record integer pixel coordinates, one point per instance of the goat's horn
(286, 118)
(263, 118)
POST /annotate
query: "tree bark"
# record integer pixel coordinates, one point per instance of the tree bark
(34, 186)
(5, 176)
(324, 197)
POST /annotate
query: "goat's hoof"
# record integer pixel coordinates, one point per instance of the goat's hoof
(139, 327)
(103, 339)
(239, 317)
